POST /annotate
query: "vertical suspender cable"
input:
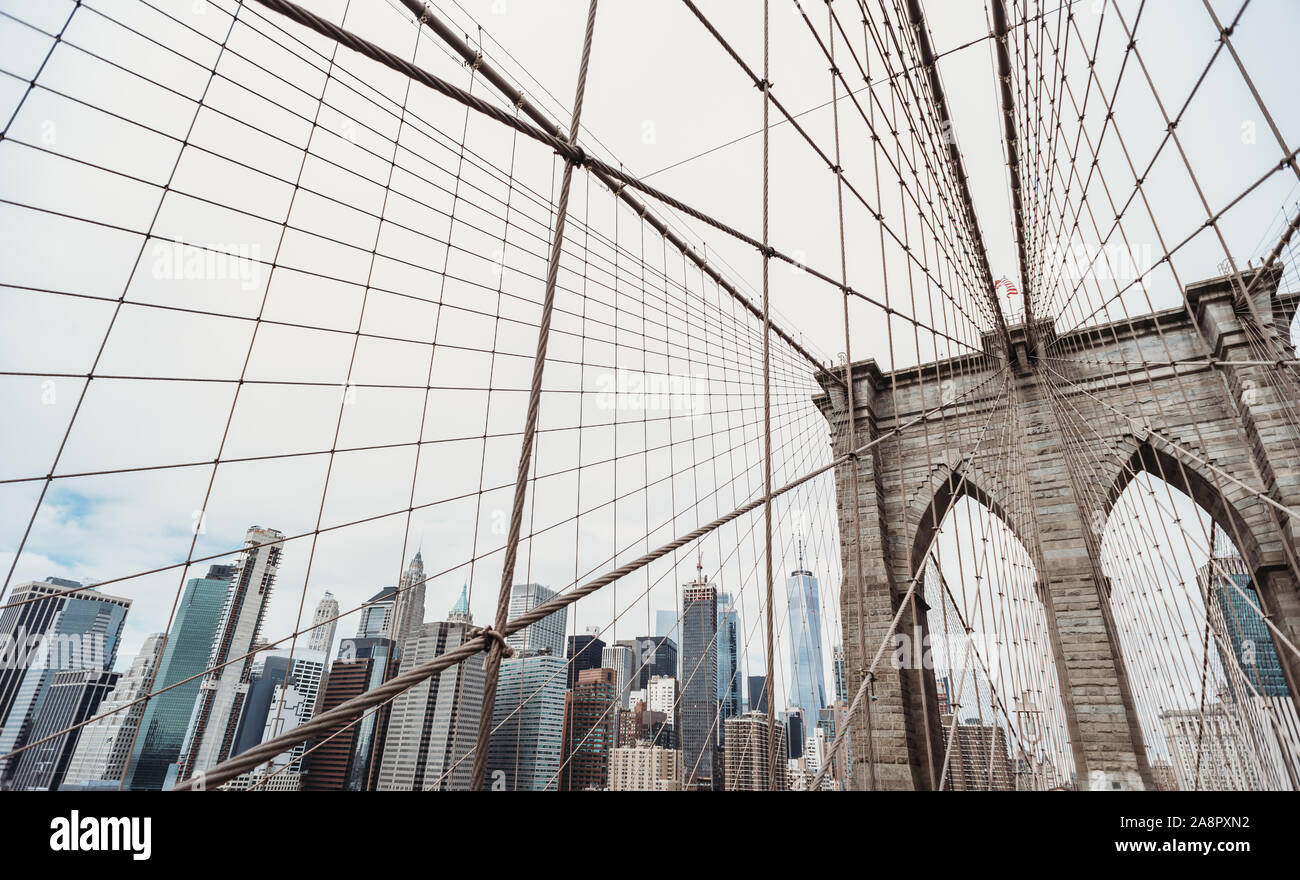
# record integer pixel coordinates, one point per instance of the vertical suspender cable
(767, 408)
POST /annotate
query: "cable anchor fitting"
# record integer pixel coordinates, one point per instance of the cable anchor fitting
(577, 157)
(491, 635)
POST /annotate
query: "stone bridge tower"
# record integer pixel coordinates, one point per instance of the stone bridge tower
(1206, 428)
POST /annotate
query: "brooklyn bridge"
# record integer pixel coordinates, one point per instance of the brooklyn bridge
(845, 395)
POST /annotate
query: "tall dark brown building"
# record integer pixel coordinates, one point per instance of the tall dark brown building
(347, 757)
(590, 729)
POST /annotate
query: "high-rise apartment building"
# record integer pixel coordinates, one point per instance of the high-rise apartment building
(621, 658)
(589, 730)
(1208, 750)
(662, 696)
(979, 759)
(213, 725)
(645, 767)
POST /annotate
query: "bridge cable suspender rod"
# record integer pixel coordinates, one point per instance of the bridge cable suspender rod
(947, 196)
(1000, 30)
(849, 398)
(930, 63)
(876, 210)
(766, 89)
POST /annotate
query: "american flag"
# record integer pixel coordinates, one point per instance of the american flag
(1011, 288)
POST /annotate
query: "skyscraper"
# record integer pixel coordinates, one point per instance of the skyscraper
(645, 767)
(640, 723)
(185, 654)
(433, 726)
(104, 748)
(979, 760)
(699, 687)
(408, 609)
(807, 677)
(344, 758)
(589, 730)
(584, 652)
(269, 672)
(748, 762)
(1234, 612)
(666, 624)
(656, 655)
(74, 696)
(841, 674)
(322, 633)
(376, 621)
(621, 658)
(82, 635)
(796, 728)
(528, 724)
(661, 696)
(728, 662)
(547, 635)
(32, 607)
(1208, 751)
(758, 693)
(293, 702)
(212, 727)
(396, 612)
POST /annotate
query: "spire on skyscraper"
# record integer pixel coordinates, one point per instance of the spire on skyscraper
(409, 603)
(460, 611)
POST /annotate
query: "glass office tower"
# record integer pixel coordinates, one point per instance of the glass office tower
(167, 715)
(807, 678)
(728, 662)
